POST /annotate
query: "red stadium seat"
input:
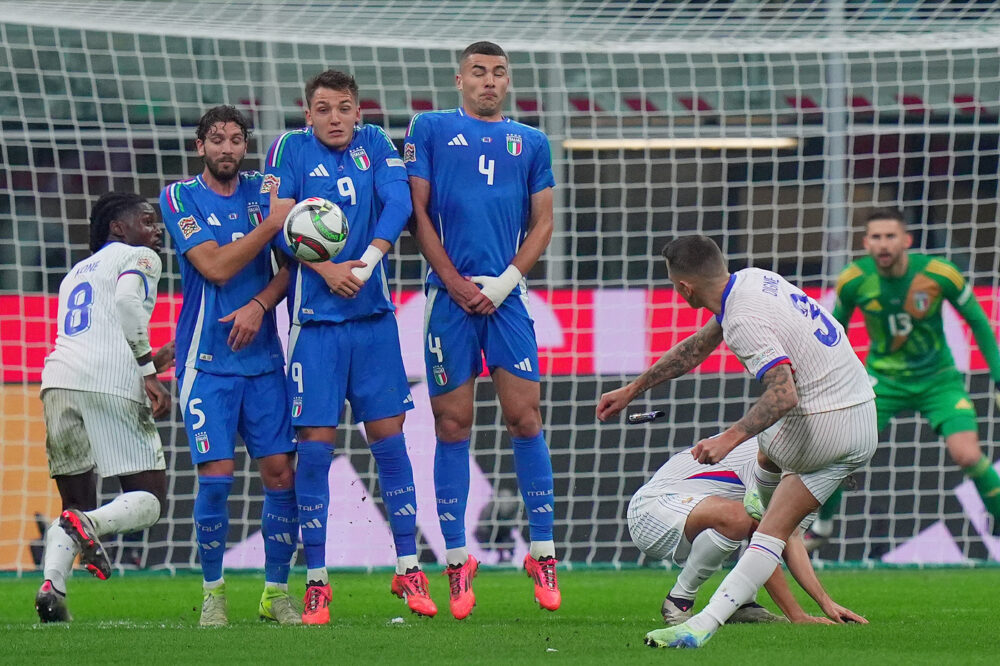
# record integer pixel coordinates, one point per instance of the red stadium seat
(585, 105)
(641, 104)
(696, 104)
(421, 104)
(528, 105)
(912, 104)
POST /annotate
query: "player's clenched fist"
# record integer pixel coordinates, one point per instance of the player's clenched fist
(613, 402)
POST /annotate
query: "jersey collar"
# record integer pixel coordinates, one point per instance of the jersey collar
(725, 295)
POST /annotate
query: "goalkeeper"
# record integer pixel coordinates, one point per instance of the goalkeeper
(900, 294)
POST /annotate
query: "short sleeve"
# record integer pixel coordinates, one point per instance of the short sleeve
(416, 147)
(755, 343)
(280, 170)
(541, 168)
(184, 223)
(389, 166)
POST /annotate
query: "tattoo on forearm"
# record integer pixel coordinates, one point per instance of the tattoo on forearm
(682, 357)
(779, 397)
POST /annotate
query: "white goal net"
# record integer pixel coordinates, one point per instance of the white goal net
(773, 127)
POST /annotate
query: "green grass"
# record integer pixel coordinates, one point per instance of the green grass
(917, 617)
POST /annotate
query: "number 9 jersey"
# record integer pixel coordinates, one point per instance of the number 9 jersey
(482, 176)
(767, 321)
(91, 352)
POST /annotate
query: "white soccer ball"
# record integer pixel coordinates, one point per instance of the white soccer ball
(316, 230)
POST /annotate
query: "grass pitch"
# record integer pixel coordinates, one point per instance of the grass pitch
(917, 617)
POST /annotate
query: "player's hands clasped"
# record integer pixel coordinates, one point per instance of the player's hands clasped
(613, 402)
(159, 397)
(469, 297)
(246, 322)
(340, 278)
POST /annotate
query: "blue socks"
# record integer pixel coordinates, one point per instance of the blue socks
(312, 492)
(280, 524)
(211, 523)
(451, 487)
(534, 476)
(395, 479)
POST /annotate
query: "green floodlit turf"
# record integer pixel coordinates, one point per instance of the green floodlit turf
(918, 617)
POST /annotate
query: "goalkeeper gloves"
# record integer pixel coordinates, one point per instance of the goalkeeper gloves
(497, 289)
(371, 257)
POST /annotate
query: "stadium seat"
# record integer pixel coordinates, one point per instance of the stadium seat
(421, 105)
(585, 105)
(641, 104)
(695, 104)
(526, 105)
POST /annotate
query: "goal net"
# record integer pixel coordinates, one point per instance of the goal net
(773, 127)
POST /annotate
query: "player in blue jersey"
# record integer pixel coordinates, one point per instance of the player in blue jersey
(344, 343)
(229, 360)
(482, 202)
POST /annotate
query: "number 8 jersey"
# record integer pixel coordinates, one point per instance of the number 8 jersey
(482, 176)
(767, 321)
(91, 352)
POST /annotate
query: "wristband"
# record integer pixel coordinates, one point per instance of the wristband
(259, 302)
(147, 369)
(371, 257)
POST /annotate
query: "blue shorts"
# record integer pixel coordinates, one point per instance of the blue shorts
(357, 360)
(456, 341)
(216, 407)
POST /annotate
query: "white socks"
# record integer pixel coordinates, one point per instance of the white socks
(129, 512)
(742, 583)
(709, 551)
(60, 551)
(540, 549)
(766, 483)
(319, 575)
(456, 557)
(404, 563)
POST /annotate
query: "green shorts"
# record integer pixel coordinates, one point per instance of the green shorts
(940, 398)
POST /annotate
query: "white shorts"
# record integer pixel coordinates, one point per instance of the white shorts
(656, 524)
(823, 448)
(85, 430)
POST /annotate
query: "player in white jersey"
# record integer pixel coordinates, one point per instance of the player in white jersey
(815, 420)
(100, 395)
(693, 514)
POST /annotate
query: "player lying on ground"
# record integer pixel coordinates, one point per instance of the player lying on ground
(230, 369)
(482, 209)
(100, 395)
(816, 425)
(344, 342)
(693, 514)
(901, 295)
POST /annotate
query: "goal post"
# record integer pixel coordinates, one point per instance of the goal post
(772, 127)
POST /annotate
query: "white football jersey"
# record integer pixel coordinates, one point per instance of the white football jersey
(91, 352)
(766, 321)
(684, 475)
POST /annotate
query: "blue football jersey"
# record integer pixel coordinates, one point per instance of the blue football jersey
(482, 176)
(193, 214)
(368, 181)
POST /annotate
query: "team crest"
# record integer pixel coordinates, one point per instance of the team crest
(361, 159)
(440, 376)
(296, 407)
(188, 226)
(201, 442)
(253, 210)
(921, 301)
(514, 144)
(270, 182)
(144, 264)
(410, 152)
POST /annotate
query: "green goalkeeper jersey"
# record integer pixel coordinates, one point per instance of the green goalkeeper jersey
(903, 315)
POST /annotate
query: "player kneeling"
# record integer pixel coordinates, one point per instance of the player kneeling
(693, 514)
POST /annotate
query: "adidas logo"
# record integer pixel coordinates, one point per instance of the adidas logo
(459, 140)
(284, 537)
(545, 508)
(314, 523)
(407, 510)
(524, 365)
(408, 399)
(214, 221)
(320, 171)
(446, 517)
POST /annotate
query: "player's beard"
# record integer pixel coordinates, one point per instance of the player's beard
(220, 175)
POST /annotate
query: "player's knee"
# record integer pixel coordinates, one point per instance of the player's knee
(524, 424)
(452, 427)
(734, 523)
(276, 472)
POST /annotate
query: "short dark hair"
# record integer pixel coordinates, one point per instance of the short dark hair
(222, 114)
(695, 255)
(482, 48)
(886, 214)
(110, 207)
(333, 79)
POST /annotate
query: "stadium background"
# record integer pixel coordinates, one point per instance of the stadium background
(771, 126)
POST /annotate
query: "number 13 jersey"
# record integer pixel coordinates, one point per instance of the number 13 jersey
(767, 321)
(482, 177)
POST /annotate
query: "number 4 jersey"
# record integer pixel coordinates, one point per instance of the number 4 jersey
(91, 353)
(767, 321)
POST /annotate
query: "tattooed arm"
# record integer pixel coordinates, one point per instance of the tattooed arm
(779, 397)
(679, 359)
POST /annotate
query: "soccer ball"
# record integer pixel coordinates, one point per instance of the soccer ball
(316, 230)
